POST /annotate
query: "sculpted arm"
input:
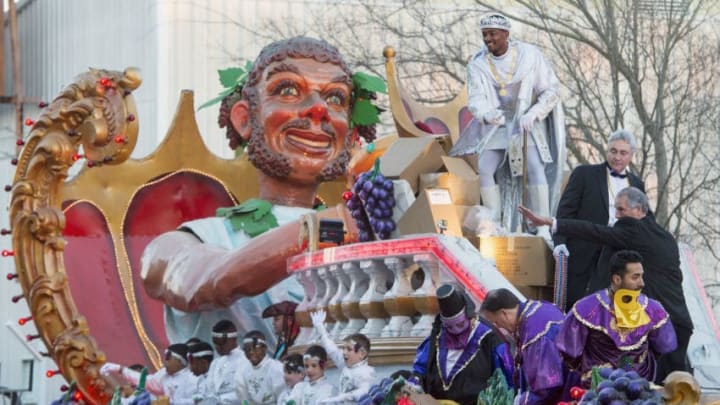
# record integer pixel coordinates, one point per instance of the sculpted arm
(190, 275)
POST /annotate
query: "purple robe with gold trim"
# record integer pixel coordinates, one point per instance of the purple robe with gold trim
(540, 373)
(590, 337)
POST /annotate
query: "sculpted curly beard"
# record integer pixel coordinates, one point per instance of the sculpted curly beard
(277, 165)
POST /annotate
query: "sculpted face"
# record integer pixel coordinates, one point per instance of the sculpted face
(299, 124)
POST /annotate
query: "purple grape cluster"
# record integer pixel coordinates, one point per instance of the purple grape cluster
(622, 387)
(371, 205)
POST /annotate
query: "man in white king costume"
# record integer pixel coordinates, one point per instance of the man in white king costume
(511, 89)
(294, 114)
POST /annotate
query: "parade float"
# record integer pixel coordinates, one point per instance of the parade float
(77, 240)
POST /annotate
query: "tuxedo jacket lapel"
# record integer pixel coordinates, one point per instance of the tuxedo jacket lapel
(601, 178)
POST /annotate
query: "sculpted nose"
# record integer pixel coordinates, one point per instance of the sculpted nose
(317, 111)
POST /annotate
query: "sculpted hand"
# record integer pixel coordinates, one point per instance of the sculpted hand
(561, 249)
(494, 117)
(527, 121)
(108, 369)
(533, 218)
(318, 320)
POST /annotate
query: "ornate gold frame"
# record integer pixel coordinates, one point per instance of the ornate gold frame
(404, 123)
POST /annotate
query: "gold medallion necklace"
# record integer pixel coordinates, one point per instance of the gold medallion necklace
(496, 75)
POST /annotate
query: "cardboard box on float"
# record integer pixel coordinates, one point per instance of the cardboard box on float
(523, 260)
(408, 158)
(460, 179)
(432, 207)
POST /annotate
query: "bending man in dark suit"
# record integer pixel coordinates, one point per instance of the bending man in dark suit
(590, 196)
(636, 230)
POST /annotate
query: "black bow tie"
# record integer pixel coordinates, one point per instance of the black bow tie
(614, 173)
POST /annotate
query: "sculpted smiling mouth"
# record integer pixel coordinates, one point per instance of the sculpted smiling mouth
(309, 140)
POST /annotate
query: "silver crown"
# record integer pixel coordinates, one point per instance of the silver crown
(496, 21)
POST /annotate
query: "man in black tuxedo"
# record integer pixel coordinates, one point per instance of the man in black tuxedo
(636, 230)
(590, 196)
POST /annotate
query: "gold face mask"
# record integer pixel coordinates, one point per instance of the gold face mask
(628, 311)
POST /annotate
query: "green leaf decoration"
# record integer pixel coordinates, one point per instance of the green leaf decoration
(369, 82)
(217, 99)
(230, 78)
(394, 391)
(141, 384)
(254, 217)
(497, 391)
(595, 378)
(364, 113)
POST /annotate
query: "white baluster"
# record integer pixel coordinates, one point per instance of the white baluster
(424, 298)
(327, 279)
(316, 302)
(302, 312)
(372, 304)
(358, 282)
(334, 309)
(398, 302)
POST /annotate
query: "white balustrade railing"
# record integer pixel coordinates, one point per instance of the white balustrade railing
(387, 289)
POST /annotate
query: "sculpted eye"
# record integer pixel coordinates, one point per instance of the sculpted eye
(334, 100)
(286, 88)
(288, 91)
(336, 97)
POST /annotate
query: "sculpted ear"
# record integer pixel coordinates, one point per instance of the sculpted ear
(240, 118)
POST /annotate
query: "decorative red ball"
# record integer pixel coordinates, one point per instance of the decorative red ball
(119, 139)
(29, 122)
(19, 142)
(347, 195)
(14, 162)
(106, 82)
(130, 118)
(42, 104)
(576, 393)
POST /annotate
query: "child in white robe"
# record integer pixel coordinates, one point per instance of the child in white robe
(294, 373)
(259, 384)
(200, 357)
(356, 375)
(316, 385)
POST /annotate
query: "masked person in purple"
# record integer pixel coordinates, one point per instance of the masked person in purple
(533, 326)
(461, 353)
(617, 327)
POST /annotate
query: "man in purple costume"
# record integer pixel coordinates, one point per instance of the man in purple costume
(540, 374)
(612, 328)
(460, 354)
